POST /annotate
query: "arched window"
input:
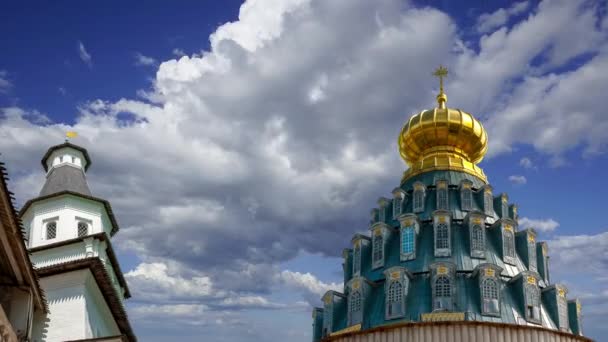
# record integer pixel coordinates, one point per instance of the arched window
(355, 307)
(478, 241)
(489, 296)
(505, 208)
(532, 255)
(488, 205)
(442, 195)
(443, 293)
(83, 229)
(466, 198)
(508, 245)
(562, 309)
(418, 200)
(395, 300)
(357, 259)
(532, 297)
(442, 236)
(397, 203)
(408, 235)
(51, 230)
(378, 249)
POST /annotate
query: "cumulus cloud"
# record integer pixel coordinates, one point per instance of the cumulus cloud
(489, 21)
(141, 60)
(518, 179)
(526, 163)
(178, 52)
(5, 84)
(543, 225)
(85, 56)
(280, 137)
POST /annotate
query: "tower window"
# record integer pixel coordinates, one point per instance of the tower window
(508, 245)
(505, 207)
(418, 200)
(442, 195)
(355, 307)
(466, 197)
(532, 297)
(382, 213)
(408, 236)
(357, 259)
(443, 235)
(562, 308)
(532, 254)
(488, 205)
(489, 296)
(83, 229)
(478, 240)
(443, 294)
(378, 249)
(397, 203)
(395, 307)
(61, 159)
(51, 230)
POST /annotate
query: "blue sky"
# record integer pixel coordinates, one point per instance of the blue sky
(242, 145)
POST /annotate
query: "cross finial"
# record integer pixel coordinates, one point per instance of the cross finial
(441, 72)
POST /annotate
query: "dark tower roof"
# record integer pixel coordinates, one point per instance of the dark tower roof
(66, 144)
(65, 178)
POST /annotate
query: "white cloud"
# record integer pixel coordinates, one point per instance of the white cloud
(178, 52)
(142, 60)
(543, 225)
(518, 179)
(85, 56)
(310, 286)
(62, 91)
(5, 84)
(489, 21)
(279, 138)
(526, 163)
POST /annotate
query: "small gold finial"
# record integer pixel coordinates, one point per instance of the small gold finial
(441, 72)
(70, 135)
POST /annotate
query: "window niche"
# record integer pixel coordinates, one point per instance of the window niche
(501, 204)
(380, 235)
(490, 286)
(443, 287)
(82, 228)
(441, 190)
(360, 246)
(358, 290)
(442, 233)
(477, 234)
(383, 209)
(418, 197)
(332, 301)
(466, 195)
(526, 247)
(396, 288)
(408, 233)
(399, 200)
(488, 201)
(507, 228)
(542, 261)
(557, 305)
(532, 299)
(513, 212)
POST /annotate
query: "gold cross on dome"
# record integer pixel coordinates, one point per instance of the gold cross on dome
(441, 72)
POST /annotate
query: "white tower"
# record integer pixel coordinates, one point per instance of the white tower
(69, 234)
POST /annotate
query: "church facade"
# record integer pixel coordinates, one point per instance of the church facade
(67, 232)
(445, 259)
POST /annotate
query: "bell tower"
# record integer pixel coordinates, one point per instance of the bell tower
(69, 231)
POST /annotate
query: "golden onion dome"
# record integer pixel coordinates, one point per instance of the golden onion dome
(443, 139)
